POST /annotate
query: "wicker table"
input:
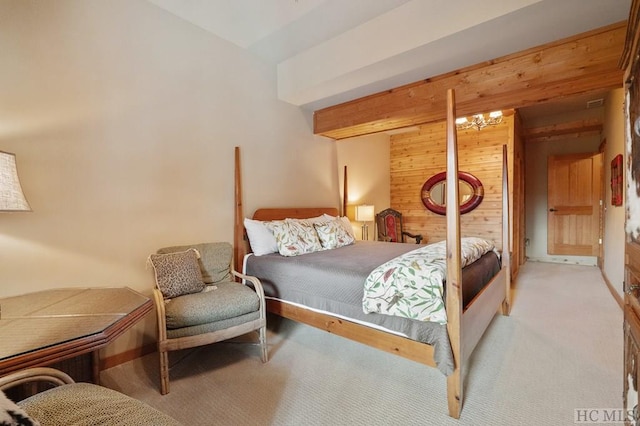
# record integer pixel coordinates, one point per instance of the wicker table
(45, 327)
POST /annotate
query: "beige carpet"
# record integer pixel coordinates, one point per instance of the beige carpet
(561, 349)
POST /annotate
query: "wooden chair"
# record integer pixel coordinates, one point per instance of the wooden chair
(389, 225)
(223, 310)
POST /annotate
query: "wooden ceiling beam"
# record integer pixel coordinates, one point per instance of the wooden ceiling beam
(564, 136)
(563, 68)
(564, 130)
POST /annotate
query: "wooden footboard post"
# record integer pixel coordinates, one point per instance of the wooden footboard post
(506, 234)
(454, 271)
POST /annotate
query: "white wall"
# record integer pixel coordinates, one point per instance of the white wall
(614, 234)
(124, 119)
(368, 174)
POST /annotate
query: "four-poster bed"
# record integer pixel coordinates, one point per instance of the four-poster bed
(465, 323)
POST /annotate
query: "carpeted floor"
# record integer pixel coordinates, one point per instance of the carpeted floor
(560, 350)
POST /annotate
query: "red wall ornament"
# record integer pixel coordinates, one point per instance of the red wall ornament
(616, 180)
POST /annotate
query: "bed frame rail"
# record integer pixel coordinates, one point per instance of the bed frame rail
(379, 339)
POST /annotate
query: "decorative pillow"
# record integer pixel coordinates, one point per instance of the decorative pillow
(346, 223)
(261, 238)
(333, 234)
(177, 273)
(295, 237)
(214, 261)
(318, 219)
(12, 414)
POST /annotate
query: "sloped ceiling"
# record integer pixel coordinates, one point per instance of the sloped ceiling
(331, 51)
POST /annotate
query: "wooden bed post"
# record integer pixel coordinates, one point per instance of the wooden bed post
(454, 271)
(345, 196)
(506, 233)
(238, 229)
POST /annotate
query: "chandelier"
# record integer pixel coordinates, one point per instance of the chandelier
(479, 121)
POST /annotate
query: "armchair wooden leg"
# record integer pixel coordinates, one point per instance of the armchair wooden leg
(164, 372)
(263, 344)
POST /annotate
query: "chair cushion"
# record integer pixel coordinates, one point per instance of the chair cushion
(222, 301)
(214, 262)
(177, 273)
(197, 330)
(88, 404)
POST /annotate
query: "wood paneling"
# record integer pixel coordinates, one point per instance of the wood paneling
(418, 155)
(571, 66)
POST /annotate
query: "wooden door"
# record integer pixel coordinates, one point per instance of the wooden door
(573, 203)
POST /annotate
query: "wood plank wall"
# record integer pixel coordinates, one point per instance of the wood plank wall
(418, 155)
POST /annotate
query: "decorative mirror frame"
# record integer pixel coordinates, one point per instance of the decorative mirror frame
(469, 205)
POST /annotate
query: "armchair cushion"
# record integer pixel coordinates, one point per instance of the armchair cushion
(86, 403)
(177, 273)
(225, 300)
(214, 262)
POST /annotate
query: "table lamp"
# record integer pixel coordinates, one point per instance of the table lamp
(12, 198)
(364, 214)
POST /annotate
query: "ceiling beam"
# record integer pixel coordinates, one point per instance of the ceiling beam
(573, 127)
(570, 130)
(563, 68)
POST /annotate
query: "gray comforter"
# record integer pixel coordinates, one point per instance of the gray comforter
(333, 281)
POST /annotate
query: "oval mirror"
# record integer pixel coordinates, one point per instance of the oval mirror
(434, 192)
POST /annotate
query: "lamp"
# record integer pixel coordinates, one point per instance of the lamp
(479, 121)
(364, 214)
(11, 197)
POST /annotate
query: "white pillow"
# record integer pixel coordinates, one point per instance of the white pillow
(261, 238)
(295, 237)
(333, 234)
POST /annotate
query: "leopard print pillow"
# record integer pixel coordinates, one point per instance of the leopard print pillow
(13, 415)
(178, 273)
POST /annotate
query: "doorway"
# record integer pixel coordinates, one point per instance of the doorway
(573, 203)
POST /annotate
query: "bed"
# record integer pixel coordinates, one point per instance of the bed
(298, 292)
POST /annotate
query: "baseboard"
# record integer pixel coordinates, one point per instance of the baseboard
(613, 291)
(126, 356)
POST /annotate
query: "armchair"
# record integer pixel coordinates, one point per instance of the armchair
(389, 224)
(70, 403)
(199, 303)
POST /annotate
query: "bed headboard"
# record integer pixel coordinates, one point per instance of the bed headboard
(293, 213)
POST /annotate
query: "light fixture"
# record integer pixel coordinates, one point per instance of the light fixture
(479, 121)
(364, 214)
(11, 197)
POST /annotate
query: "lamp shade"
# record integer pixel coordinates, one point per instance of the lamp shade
(11, 197)
(364, 213)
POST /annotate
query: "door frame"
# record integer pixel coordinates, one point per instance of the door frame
(600, 206)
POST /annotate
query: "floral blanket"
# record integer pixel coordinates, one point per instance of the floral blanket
(412, 285)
